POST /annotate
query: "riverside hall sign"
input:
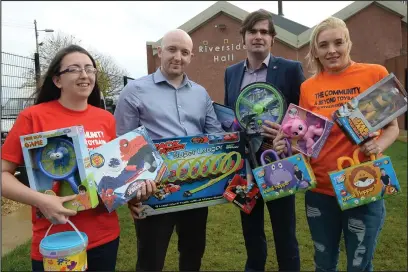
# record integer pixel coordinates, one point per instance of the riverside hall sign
(222, 53)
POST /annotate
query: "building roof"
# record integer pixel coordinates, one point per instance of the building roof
(288, 31)
(289, 25)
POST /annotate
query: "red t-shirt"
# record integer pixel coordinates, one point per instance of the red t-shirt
(325, 93)
(100, 226)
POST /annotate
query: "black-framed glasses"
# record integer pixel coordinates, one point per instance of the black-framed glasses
(78, 70)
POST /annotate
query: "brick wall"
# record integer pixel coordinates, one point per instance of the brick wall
(377, 35)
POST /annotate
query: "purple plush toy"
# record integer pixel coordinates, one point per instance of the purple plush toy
(278, 172)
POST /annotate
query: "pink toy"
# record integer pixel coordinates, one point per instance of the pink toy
(298, 128)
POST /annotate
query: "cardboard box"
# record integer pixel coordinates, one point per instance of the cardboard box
(58, 163)
(308, 131)
(199, 169)
(226, 116)
(121, 166)
(373, 109)
(284, 177)
(242, 194)
(365, 182)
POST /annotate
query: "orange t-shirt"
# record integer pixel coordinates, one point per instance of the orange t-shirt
(100, 226)
(325, 93)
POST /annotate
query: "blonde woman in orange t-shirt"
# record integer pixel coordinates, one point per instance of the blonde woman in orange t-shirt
(336, 80)
(69, 96)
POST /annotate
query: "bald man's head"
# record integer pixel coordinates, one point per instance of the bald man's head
(177, 34)
(175, 53)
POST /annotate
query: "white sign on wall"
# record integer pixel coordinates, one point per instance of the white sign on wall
(223, 53)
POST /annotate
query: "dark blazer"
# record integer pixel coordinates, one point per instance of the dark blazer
(286, 75)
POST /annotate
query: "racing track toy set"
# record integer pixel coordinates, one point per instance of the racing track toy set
(199, 169)
(58, 163)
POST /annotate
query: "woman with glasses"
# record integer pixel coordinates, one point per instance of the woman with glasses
(69, 96)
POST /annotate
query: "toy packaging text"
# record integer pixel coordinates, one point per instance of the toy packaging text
(199, 169)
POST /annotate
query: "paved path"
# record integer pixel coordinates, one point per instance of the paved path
(15, 229)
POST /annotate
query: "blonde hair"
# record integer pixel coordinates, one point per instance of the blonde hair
(329, 23)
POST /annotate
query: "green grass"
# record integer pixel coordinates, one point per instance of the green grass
(225, 245)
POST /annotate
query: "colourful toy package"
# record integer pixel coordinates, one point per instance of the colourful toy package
(242, 194)
(57, 162)
(226, 116)
(372, 109)
(121, 166)
(283, 176)
(199, 169)
(362, 183)
(307, 131)
(65, 251)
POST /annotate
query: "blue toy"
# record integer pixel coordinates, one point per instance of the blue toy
(57, 161)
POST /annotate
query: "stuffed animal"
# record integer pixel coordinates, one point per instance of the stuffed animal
(298, 128)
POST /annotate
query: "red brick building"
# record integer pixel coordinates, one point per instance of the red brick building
(378, 30)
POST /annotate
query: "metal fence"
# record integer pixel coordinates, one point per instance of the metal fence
(19, 78)
(17, 81)
(18, 84)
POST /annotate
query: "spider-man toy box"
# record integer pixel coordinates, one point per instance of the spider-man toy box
(122, 165)
(58, 163)
(199, 169)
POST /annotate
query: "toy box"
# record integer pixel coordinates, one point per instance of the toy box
(242, 194)
(307, 131)
(58, 163)
(226, 116)
(121, 166)
(363, 183)
(280, 177)
(372, 109)
(199, 169)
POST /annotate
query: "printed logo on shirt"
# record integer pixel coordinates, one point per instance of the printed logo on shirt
(335, 98)
(94, 139)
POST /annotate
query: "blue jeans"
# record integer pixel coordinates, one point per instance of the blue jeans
(360, 226)
(282, 217)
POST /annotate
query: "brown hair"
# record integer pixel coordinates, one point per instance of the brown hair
(255, 17)
(49, 92)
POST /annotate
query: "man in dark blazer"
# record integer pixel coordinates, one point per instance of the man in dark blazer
(258, 33)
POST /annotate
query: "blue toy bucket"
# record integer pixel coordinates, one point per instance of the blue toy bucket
(64, 251)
